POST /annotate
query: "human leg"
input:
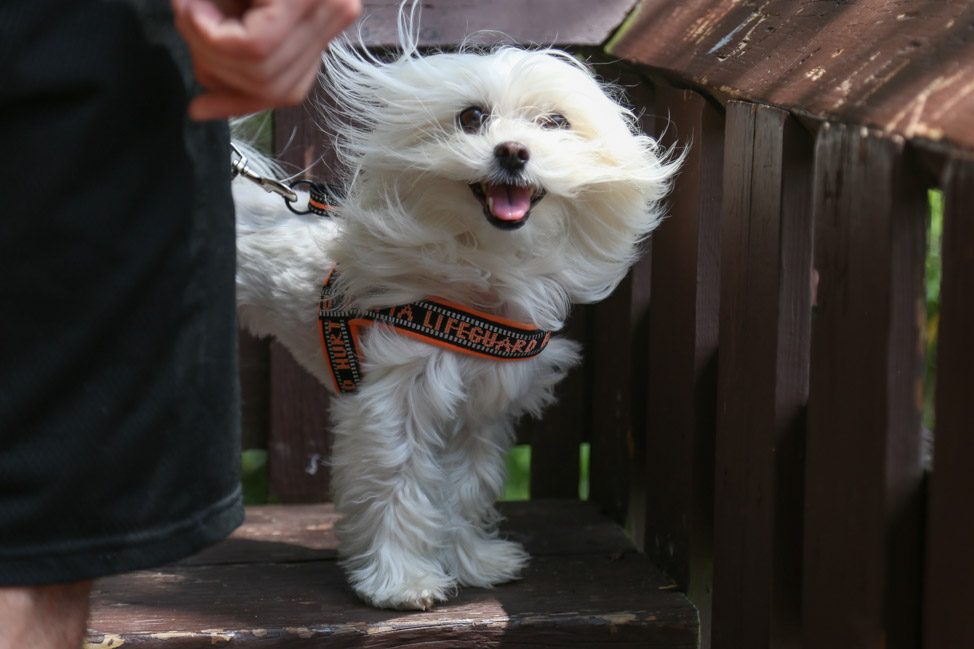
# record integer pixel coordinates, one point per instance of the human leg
(118, 409)
(44, 617)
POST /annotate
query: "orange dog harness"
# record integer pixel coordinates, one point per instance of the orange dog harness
(431, 320)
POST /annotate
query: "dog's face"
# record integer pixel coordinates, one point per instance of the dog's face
(519, 151)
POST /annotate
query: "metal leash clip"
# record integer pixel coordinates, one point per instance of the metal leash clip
(238, 167)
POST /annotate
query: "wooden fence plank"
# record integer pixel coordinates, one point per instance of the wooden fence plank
(618, 347)
(300, 441)
(611, 361)
(765, 309)
(640, 309)
(255, 393)
(556, 437)
(950, 560)
(683, 359)
(864, 474)
(300, 434)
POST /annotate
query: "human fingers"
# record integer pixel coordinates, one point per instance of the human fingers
(289, 86)
(222, 101)
(271, 53)
(297, 54)
(263, 29)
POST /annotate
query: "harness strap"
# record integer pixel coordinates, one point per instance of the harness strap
(322, 197)
(431, 320)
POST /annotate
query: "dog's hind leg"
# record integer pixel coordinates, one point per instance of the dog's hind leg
(388, 482)
(476, 472)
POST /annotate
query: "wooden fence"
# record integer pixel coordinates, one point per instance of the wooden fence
(753, 391)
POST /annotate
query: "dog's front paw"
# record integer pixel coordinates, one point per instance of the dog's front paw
(409, 600)
(485, 562)
(400, 583)
(417, 596)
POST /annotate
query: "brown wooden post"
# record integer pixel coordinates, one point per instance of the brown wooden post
(765, 309)
(639, 314)
(619, 355)
(864, 477)
(950, 542)
(611, 361)
(683, 353)
(300, 442)
(643, 97)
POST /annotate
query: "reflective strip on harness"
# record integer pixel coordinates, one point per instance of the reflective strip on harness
(431, 320)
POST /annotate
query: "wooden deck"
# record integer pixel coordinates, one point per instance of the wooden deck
(276, 582)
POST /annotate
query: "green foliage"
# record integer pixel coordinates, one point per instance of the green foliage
(518, 485)
(933, 273)
(255, 130)
(584, 452)
(253, 476)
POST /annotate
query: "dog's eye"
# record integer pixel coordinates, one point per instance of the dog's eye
(472, 119)
(554, 121)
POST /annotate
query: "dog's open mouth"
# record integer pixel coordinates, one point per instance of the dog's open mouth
(506, 206)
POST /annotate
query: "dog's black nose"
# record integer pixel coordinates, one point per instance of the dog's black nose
(511, 156)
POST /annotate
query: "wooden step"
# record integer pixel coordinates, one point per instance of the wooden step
(276, 583)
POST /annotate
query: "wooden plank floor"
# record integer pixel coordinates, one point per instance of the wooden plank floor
(276, 583)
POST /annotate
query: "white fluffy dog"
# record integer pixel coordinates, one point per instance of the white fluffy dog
(509, 182)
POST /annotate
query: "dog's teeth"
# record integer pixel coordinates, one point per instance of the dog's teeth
(490, 203)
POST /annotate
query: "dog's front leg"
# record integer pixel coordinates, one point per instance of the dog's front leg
(476, 472)
(388, 482)
(475, 465)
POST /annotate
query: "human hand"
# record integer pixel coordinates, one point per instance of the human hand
(251, 55)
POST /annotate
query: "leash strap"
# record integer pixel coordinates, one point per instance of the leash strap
(322, 197)
(431, 320)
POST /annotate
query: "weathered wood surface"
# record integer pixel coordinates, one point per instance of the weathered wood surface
(765, 310)
(276, 534)
(864, 474)
(585, 587)
(544, 22)
(683, 353)
(900, 67)
(950, 562)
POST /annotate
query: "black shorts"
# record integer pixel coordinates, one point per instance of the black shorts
(119, 425)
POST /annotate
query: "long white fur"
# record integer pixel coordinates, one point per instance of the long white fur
(418, 458)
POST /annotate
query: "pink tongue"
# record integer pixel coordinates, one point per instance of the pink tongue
(508, 202)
